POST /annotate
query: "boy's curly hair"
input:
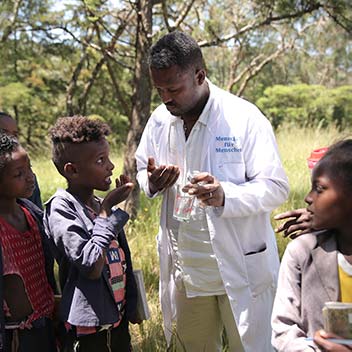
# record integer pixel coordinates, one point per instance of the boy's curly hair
(74, 130)
(8, 144)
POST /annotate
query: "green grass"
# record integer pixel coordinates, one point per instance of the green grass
(295, 146)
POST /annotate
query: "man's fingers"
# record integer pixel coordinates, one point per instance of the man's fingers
(299, 233)
(203, 177)
(294, 228)
(169, 176)
(151, 164)
(164, 176)
(298, 222)
(173, 178)
(285, 226)
(207, 189)
(297, 230)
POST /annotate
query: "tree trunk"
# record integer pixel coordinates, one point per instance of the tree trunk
(141, 97)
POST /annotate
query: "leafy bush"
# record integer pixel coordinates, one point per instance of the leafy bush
(305, 105)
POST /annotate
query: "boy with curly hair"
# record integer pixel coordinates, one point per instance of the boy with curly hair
(89, 243)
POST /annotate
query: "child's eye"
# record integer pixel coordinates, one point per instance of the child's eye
(319, 188)
(100, 160)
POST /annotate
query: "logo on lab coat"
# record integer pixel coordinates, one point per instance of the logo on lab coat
(227, 144)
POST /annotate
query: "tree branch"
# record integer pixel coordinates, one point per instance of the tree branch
(180, 18)
(254, 25)
(118, 94)
(82, 101)
(73, 82)
(9, 28)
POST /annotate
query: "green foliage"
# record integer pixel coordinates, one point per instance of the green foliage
(295, 145)
(50, 49)
(307, 106)
(14, 94)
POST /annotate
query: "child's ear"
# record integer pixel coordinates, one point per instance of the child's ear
(70, 170)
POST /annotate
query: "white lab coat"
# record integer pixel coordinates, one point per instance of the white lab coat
(241, 152)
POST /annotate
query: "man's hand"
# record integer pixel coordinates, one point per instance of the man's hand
(299, 222)
(207, 189)
(161, 177)
(124, 187)
(321, 339)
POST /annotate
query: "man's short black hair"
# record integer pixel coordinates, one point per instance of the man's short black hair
(176, 48)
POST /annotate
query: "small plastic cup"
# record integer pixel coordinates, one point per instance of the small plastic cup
(183, 205)
(315, 156)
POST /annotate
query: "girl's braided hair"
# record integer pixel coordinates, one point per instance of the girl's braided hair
(8, 144)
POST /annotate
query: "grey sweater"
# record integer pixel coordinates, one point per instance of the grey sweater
(308, 278)
(77, 243)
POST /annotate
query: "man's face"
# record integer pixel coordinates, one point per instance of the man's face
(179, 89)
(9, 125)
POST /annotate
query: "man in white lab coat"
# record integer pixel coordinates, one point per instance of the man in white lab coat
(219, 269)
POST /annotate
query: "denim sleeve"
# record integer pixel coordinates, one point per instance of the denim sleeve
(69, 231)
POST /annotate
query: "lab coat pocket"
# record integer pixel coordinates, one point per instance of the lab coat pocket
(258, 270)
(231, 170)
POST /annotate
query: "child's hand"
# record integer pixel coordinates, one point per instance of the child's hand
(299, 222)
(321, 338)
(124, 187)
